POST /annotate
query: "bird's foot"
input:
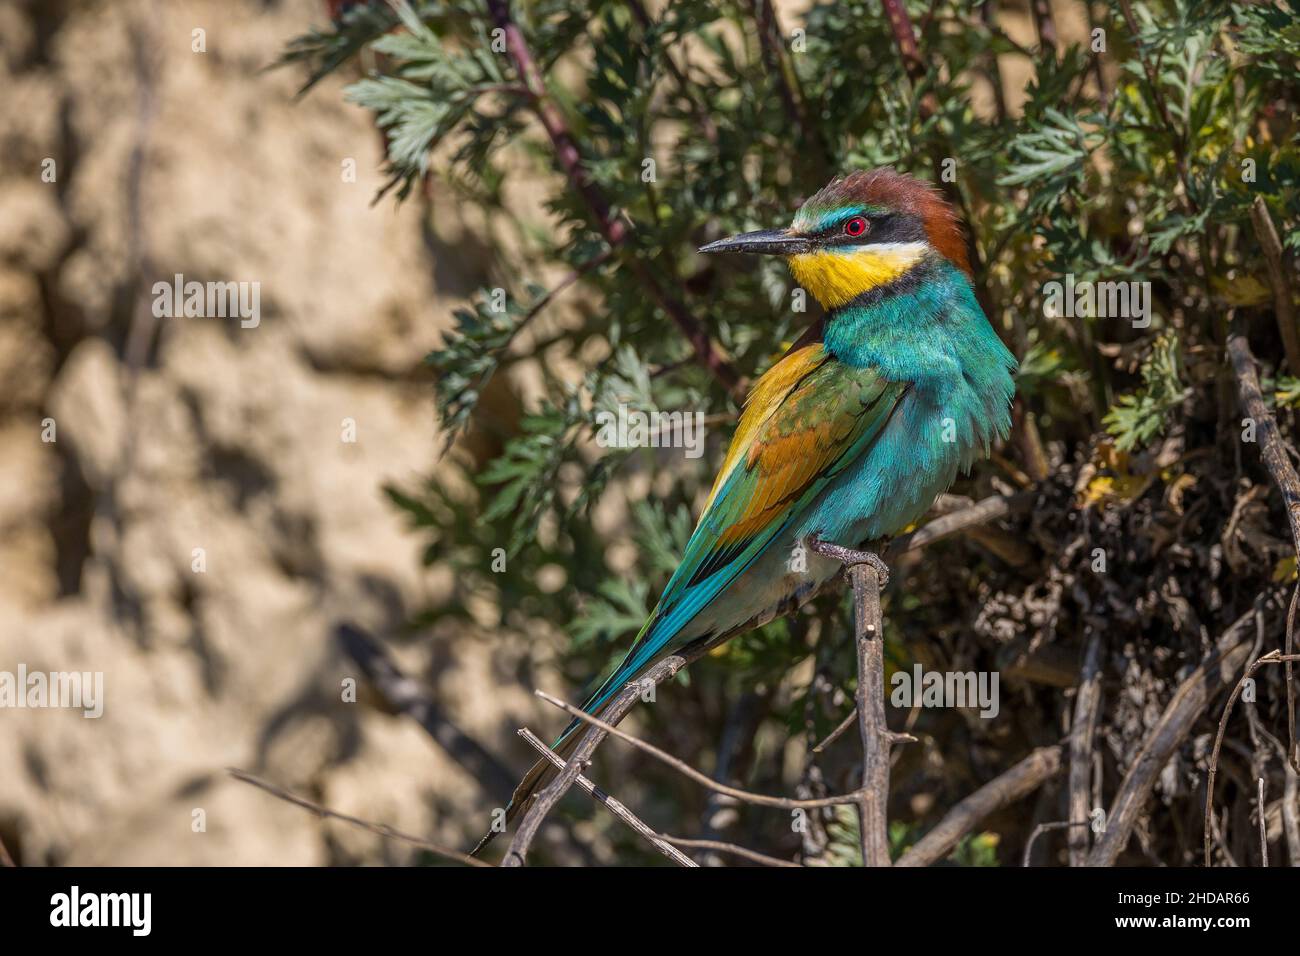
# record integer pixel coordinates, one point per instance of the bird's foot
(849, 557)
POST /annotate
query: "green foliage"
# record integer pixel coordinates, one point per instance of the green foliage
(472, 353)
(1051, 156)
(976, 849)
(1138, 419)
(324, 51)
(1287, 392)
(844, 846)
(618, 608)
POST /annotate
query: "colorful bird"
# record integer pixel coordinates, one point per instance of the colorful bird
(848, 438)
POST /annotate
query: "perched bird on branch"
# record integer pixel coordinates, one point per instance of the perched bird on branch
(847, 439)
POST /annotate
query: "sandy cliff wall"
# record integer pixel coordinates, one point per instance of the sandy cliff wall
(182, 433)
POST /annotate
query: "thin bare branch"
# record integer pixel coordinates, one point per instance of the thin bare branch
(1272, 657)
(838, 732)
(382, 829)
(616, 807)
(1283, 304)
(721, 847)
(686, 770)
(547, 297)
(1263, 825)
(1023, 778)
(945, 526)
(622, 702)
(1274, 452)
(408, 697)
(1189, 701)
(1071, 825)
(868, 574)
(663, 842)
(1291, 813)
(1083, 728)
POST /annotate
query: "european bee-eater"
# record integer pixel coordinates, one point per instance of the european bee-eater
(851, 435)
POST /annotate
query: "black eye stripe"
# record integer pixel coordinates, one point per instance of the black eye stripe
(881, 227)
(836, 231)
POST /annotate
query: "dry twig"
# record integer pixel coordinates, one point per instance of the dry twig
(1025, 777)
(703, 779)
(1263, 825)
(408, 697)
(382, 829)
(1274, 452)
(1180, 715)
(1087, 704)
(622, 702)
(614, 806)
(1072, 825)
(1291, 813)
(1275, 258)
(732, 848)
(865, 572)
(1272, 657)
(980, 513)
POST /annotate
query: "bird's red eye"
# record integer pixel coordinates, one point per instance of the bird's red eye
(857, 226)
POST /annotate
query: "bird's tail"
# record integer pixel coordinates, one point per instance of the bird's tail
(543, 772)
(538, 776)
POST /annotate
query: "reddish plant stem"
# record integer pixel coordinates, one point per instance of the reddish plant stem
(1045, 24)
(698, 110)
(777, 60)
(614, 229)
(1275, 259)
(904, 38)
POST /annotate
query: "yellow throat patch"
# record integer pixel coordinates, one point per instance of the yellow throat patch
(836, 278)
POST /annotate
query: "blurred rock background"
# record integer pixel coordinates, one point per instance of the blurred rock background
(181, 433)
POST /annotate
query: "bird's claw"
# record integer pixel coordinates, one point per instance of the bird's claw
(850, 557)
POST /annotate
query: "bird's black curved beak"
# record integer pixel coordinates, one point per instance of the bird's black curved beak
(771, 242)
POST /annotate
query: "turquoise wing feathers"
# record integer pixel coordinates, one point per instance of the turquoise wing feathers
(806, 420)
